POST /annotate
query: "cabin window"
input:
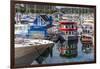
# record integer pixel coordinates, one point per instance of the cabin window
(72, 26)
(90, 27)
(72, 32)
(69, 33)
(66, 26)
(85, 31)
(88, 31)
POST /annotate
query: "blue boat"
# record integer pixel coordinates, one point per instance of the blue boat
(41, 24)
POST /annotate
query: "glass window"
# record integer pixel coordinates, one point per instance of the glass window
(69, 32)
(72, 26)
(66, 26)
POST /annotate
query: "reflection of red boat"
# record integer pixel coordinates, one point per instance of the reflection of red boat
(70, 49)
(86, 39)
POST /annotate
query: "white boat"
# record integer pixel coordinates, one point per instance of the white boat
(29, 50)
(28, 19)
(21, 28)
(25, 19)
(88, 30)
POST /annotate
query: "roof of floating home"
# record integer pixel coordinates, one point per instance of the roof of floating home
(63, 22)
(88, 24)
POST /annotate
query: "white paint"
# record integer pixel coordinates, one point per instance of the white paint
(24, 48)
(21, 29)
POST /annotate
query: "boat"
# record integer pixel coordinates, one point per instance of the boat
(27, 19)
(69, 27)
(21, 29)
(28, 50)
(88, 29)
(40, 26)
(24, 19)
(70, 30)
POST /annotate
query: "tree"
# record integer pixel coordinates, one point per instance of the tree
(32, 10)
(22, 10)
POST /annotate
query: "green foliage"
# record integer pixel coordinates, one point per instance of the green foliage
(22, 10)
(32, 10)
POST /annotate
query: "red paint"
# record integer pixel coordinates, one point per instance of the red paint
(66, 29)
(86, 41)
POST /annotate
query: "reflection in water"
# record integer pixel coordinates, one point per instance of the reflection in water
(42, 57)
(70, 49)
(75, 52)
(87, 47)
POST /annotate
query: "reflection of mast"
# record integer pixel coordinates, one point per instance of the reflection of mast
(49, 10)
(80, 14)
(58, 13)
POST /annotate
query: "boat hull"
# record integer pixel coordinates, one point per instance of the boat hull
(26, 55)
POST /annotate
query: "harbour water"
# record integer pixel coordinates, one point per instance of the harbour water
(56, 58)
(69, 32)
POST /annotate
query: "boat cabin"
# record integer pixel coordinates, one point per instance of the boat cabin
(40, 26)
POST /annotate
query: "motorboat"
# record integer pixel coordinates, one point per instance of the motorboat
(88, 31)
(28, 50)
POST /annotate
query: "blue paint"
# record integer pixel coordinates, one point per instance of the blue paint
(41, 25)
(50, 20)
